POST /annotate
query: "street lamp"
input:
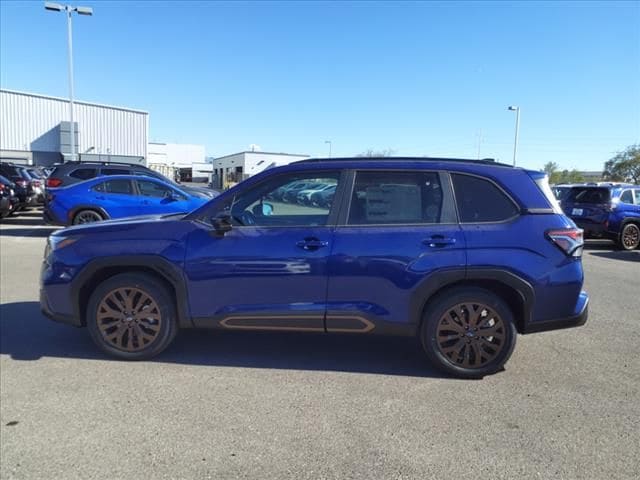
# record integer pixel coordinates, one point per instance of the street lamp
(516, 109)
(56, 7)
(329, 142)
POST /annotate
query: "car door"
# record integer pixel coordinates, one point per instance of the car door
(117, 197)
(156, 197)
(270, 270)
(399, 230)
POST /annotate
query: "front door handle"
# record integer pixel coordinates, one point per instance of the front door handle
(311, 243)
(439, 241)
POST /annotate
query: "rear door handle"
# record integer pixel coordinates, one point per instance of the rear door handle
(311, 243)
(439, 241)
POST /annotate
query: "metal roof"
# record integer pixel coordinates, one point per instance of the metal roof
(62, 99)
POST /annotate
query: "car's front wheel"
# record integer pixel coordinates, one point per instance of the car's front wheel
(468, 332)
(132, 316)
(630, 237)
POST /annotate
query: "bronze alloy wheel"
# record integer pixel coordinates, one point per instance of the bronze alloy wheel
(631, 237)
(129, 319)
(471, 335)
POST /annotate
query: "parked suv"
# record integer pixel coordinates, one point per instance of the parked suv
(462, 254)
(27, 189)
(606, 211)
(69, 173)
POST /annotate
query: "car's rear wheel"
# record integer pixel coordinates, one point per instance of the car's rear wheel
(468, 332)
(132, 316)
(630, 237)
(87, 216)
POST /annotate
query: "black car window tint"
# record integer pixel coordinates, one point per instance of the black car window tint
(480, 201)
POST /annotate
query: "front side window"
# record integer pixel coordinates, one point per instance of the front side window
(637, 194)
(627, 197)
(396, 198)
(282, 201)
(122, 187)
(481, 201)
(152, 189)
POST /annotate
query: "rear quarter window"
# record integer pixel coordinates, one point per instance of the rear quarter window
(82, 173)
(481, 201)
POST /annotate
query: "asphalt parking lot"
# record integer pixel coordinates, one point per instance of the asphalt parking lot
(238, 405)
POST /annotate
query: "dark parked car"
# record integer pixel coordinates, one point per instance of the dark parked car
(8, 198)
(606, 211)
(26, 189)
(323, 198)
(73, 172)
(461, 254)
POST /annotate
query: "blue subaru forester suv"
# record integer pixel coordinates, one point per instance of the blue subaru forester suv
(461, 254)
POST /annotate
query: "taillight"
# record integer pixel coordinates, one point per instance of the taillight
(53, 182)
(569, 240)
(22, 183)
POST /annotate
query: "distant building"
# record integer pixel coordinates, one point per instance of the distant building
(35, 129)
(592, 176)
(231, 169)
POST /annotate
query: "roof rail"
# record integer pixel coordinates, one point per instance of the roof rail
(102, 162)
(485, 161)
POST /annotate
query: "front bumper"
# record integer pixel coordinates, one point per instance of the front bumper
(578, 319)
(46, 310)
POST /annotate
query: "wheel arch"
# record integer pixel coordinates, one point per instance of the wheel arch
(78, 208)
(99, 270)
(515, 291)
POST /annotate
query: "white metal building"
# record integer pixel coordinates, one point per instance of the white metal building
(180, 155)
(34, 129)
(235, 168)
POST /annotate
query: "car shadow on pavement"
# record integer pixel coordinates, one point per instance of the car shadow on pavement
(27, 232)
(619, 255)
(23, 220)
(25, 334)
(599, 245)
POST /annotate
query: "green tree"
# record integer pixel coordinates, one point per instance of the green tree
(550, 168)
(625, 166)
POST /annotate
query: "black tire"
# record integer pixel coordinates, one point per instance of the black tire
(87, 216)
(163, 329)
(437, 337)
(629, 237)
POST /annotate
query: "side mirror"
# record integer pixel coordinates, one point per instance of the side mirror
(170, 195)
(221, 224)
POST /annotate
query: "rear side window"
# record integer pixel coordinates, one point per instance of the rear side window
(115, 186)
(83, 173)
(480, 200)
(402, 198)
(593, 195)
(115, 171)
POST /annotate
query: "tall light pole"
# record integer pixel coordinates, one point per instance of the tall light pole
(329, 142)
(56, 7)
(516, 109)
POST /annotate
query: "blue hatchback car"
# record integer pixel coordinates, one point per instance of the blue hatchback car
(460, 254)
(116, 196)
(606, 211)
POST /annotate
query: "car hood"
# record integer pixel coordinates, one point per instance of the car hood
(202, 192)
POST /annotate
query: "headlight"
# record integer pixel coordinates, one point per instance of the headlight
(55, 242)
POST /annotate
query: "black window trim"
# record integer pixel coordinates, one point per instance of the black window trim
(445, 183)
(519, 209)
(334, 212)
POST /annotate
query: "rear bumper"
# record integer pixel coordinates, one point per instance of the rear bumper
(49, 217)
(578, 319)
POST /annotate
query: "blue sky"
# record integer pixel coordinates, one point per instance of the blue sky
(417, 78)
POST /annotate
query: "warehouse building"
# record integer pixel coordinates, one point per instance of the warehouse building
(231, 169)
(34, 129)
